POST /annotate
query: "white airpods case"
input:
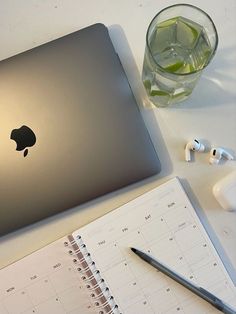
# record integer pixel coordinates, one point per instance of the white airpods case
(225, 191)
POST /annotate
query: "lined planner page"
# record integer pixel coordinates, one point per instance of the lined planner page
(45, 282)
(163, 223)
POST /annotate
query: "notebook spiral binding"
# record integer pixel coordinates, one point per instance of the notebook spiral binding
(103, 301)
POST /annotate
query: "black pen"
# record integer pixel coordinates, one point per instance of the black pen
(201, 292)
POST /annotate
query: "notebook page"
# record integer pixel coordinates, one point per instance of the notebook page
(45, 282)
(163, 223)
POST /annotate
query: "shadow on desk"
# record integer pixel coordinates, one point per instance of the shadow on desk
(215, 85)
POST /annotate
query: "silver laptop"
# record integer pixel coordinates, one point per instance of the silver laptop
(70, 129)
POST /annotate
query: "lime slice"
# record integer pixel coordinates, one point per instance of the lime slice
(158, 93)
(187, 32)
(193, 30)
(186, 68)
(147, 84)
(174, 67)
(180, 95)
(168, 22)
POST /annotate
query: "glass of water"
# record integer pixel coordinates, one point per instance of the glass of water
(181, 40)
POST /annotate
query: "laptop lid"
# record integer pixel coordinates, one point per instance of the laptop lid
(70, 129)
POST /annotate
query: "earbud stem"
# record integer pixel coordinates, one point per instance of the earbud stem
(227, 155)
(187, 154)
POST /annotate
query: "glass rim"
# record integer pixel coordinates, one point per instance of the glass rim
(194, 7)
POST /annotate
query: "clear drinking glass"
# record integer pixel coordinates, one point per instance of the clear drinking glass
(181, 40)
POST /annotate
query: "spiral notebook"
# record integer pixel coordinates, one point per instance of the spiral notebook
(93, 270)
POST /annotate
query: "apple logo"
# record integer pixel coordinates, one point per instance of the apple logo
(24, 137)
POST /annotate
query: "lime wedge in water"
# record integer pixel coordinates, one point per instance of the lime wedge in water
(188, 32)
(186, 68)
(174, 67)
(167, 22)
(147, 84)
(158, 93)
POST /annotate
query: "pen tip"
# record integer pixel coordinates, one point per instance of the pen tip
(133, 249)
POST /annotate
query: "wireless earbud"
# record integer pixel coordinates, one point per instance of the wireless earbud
(194, 145)
(218, 153)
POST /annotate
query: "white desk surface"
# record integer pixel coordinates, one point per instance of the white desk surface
(210, 113)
